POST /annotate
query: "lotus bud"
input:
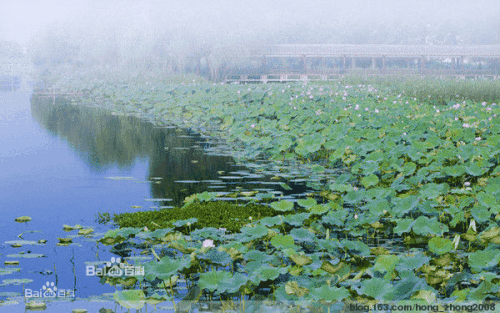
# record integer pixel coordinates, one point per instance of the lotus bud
(473, 225)
(456, 241)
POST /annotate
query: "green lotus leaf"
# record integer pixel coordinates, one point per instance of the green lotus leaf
(370, 180)
(258, 256)
(440, 245)
(285, 186)
(319, 209)
(474, 170)
(404, 226)
(329, 294)
(307, 203)
(214, 280)
(185, 222)
(409, 168)
(123, 232)
(266, 272)
(272, 221)
(307, 147)
(340, 187)
(284, 143)
(454, 171)
(282, 206)
(377, 207)
(490, 234)
(378, 288)
(216, 257)
(484, 259)
(432, 190)
(293, 288)
(318, 169)
(206, 196)
(402, 206)
(484, 290)
(131, 299)
(165, 268)
(425, 226)
(385, 264)
(234, 284)
(282, 241)
(480, 213)
(301, 234)
(336, 218)
(354, 197)
(412, 262)
(356, 247)
(487, 200)
(336, 155)
(255, 232)
(295, 220)
(159, 233)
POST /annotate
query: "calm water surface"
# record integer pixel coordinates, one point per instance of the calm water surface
(59, 164)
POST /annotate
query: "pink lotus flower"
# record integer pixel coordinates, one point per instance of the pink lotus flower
(208, 243)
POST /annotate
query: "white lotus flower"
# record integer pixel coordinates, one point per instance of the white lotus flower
(208, 243)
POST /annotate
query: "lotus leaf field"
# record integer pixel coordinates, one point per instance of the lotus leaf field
(404, 202)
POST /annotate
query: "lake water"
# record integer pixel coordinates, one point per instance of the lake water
(63, 164)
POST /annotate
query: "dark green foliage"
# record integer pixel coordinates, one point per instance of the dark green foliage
(217, 214)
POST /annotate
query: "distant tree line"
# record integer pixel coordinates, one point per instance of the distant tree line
(168, 38)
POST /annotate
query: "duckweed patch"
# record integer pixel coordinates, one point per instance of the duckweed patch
(216, 214)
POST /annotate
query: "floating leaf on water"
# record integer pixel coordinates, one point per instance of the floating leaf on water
(306, 203)
(26, 256)
(136, 207)
(36, 306)
(86, 231)
(65, 240)
(282, 205)
(69, 228)
(440, 245)
(131, 299)
(9, 263)
(159, 199)
(23, 219)
(21, 242)
(186, 181)
(16, 282)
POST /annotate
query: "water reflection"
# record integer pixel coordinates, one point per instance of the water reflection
(178, 164)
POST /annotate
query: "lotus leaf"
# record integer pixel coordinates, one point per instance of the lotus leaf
(214, 280)
(484, 259)
(329, 294)
(425, 226)
(385, 264)
(283, 241)
(282, 205)
(165, 268)
(356, 247)
(378, 288)
(293, 288)
(295, 220)
(216, 257)
(440, 245)
(306, 203)
(301, 234)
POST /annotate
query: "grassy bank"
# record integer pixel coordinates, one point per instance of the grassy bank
(407, 195)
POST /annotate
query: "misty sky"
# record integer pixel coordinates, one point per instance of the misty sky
(21, 19)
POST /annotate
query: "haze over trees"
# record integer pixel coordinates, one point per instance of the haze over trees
(209, 38)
